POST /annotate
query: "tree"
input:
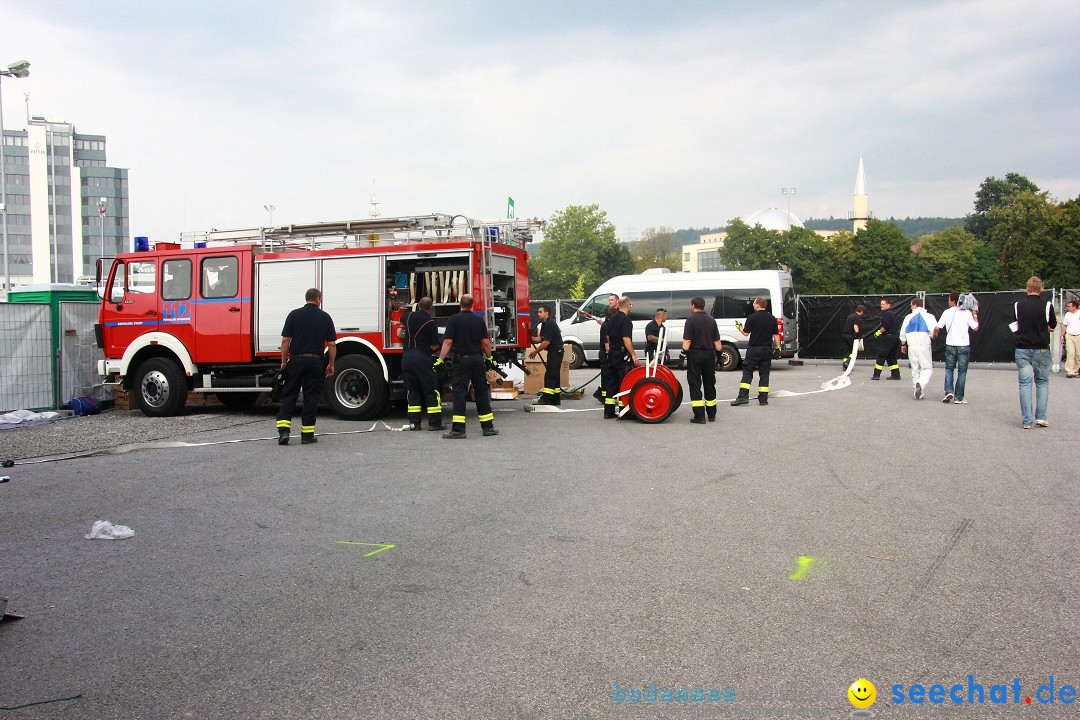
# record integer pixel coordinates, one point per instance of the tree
(658, 247)
(1067, 262)
(750, 248)
(1023, 233)
(812, 263)
(882, 261)
(946, 259)
(579, 247)
(993, 193)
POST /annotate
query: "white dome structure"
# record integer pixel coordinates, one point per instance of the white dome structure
(773, 219)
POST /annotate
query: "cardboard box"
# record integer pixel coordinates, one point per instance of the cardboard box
(534, 381)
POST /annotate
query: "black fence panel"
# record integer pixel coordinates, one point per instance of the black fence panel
(564, 308)
(821, 318)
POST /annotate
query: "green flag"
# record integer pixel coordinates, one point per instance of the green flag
(509, 208)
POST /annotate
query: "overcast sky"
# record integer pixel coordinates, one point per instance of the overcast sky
(679, 113)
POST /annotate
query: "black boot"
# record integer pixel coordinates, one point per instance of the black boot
(308, 438)
(283, 436)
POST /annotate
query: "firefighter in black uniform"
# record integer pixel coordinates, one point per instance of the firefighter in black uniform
(549, 338)
(467, 336)
(621, 356)
(701, 342)
(851, 333)
(605, 372)
(764, 344)
(421, 339)
(888, 342)
(307, 329)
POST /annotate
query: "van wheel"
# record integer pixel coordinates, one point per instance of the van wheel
(577, 356)
(160, 387)
(728, 358)
(357, 390)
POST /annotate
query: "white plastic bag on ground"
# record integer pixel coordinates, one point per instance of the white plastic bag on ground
(105, 530)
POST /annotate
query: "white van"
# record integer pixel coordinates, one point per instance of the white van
(729, 296)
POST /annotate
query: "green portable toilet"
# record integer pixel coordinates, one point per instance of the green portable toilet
(52, 294)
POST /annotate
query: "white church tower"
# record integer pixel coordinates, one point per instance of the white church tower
(862, 201)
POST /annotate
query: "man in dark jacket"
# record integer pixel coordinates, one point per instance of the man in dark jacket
(888, 336)
(1035, 320)
(307, 331)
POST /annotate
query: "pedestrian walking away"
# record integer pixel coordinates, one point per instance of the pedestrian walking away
(467, 337)
(701, 342)
(957, 321)
(1035, 321)
(888, 342)
(308, 331)
(549, 338)
(621, 356)
(652, 334)
(915, 341)
(1071, 339)
(851, 332)
(764, 343)
(421, 340)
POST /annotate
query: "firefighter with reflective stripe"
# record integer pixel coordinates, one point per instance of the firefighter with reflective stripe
(421, 340)
(549, 338)
(621, 356)
(701, 342)
(915, 341)
(888, 342)
(605, 371)
(764, 344)
(307, 330)
(467, 337)
(851, 332)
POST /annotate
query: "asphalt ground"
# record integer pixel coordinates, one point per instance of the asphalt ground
(539, 573)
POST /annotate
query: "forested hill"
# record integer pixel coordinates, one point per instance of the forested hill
(911, 227)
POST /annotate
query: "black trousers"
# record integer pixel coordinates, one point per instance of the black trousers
(552, 376)
(848, 341)
(307, 373)
(470, 369)
(759, 360)
(888, 349)
(422, 387)
(701, 377)
(618, 367)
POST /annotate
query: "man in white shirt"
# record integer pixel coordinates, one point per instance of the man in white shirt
(915, 341)
(1071, 338)
(957, 322)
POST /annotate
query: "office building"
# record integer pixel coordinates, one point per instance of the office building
(56, 181)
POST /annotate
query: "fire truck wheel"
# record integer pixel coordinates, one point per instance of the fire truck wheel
(160, 387)
(357, 391)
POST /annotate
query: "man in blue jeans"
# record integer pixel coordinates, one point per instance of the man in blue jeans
(1035, 320)
(957, 321)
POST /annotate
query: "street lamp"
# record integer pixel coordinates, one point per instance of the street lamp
(102, 204)
(270, 209)
(18, 69)
(789, 192)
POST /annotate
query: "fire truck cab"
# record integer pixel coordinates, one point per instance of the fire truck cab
(206, 314)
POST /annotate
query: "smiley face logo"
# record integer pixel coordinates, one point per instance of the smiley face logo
(862, 693)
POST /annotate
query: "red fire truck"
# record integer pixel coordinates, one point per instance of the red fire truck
(207, 318)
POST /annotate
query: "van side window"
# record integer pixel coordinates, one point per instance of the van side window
(738, 304)
(220, 277)
(789, 302)
(594, 307)
(645, 304)
(176, 279)
(679, 309)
